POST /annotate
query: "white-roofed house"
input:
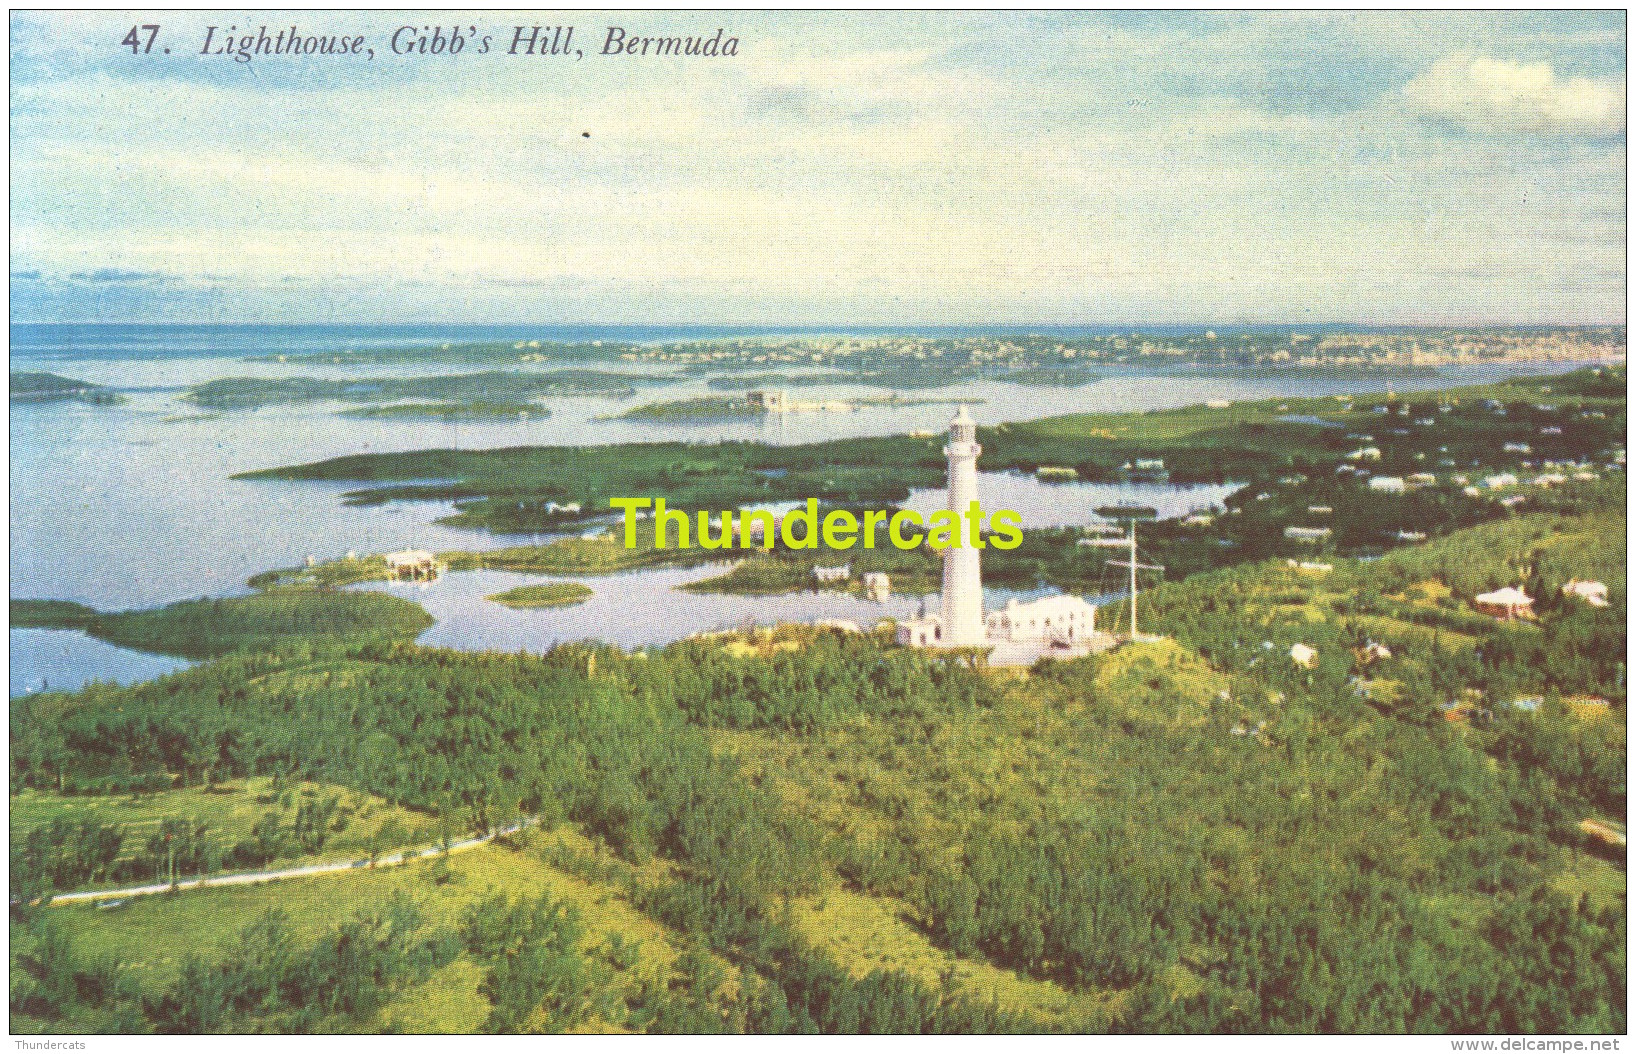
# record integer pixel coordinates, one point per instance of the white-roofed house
(839, 573)
(1593, 593)
(1507, 603)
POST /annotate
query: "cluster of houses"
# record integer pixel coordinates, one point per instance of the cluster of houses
(1508, 603)
(1399, 485)
(1500, 486)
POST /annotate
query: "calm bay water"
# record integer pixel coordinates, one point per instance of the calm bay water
(132, 505)
(61, 660)
(633, 609)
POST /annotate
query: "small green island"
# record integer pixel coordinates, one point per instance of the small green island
(465, 390)
(745, 381)
(447, 411)
(708, 408)
(547, 595)
(50, 387)
(210, 628)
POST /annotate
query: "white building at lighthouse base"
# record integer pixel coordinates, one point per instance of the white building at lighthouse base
(1022, 632)
(1065, 620)
(926, 632)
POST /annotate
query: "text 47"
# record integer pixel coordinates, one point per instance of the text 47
(134, 41)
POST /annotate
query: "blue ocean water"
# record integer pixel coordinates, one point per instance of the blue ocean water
(70, 341)
(97, 341)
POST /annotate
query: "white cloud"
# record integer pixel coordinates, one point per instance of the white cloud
(1494, 95)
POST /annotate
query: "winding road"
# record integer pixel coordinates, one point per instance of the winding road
(250, 878)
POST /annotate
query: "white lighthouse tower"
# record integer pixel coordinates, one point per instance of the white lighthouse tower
(962, 620)
(1017, 635)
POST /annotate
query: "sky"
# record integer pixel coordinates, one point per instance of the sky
(968, 168)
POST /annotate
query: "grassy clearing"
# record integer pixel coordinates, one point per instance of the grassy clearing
(448, 1003)
(1605, 882)
(1149, 678)
(866, 933)
(1383, 627)
(229, 811)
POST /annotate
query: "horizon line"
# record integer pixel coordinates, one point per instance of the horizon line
(840, 327)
